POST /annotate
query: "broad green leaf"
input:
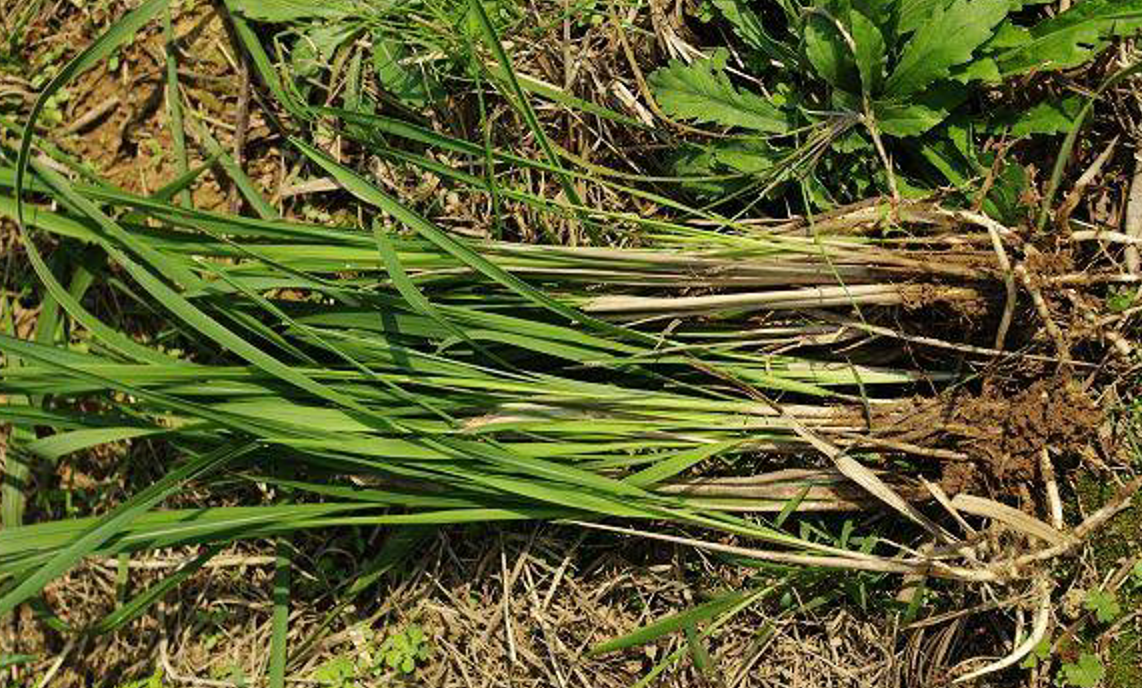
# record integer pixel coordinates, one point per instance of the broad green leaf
(871, 52)
(1104, 604)
(920, 113)
(1073, 37)
(1088, 672)
(702, 92)
(980, 69)
(751, 29)
(410, 84)
(829, 52)
(1048, 117)
(1007, 35)
(915, 13)
(884, 15)
(946, 39)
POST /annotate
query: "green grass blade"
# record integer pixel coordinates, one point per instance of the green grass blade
(263, 66)
(52, 447)
(120, 33)
(280, 623)
(672, 623)
(237, 175)
(137, 605)
(174, 108)
(1064, 155)
(476, 9)
(114, 522)
(372, 195)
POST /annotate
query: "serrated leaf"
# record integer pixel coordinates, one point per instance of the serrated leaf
(1073, 37)
(948, 38)
(884, 15)
(1086, 673)
(829, 54)
(982, 69)
(871, 53)
(1008, 35)
(1047, 118)
(702, 92)
(291, 10)
(750, 28)
(1104, 604)
(913, 13)
(336, 671)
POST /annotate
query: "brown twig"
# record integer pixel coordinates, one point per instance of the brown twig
(1008, 284)
(1044, 312)
(92, 116)
(644, 89)
(1132, 225)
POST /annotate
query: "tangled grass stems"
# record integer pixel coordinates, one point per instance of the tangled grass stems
(396, 380)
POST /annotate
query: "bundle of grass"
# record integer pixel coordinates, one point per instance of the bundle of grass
(386, 381)
(377, 378)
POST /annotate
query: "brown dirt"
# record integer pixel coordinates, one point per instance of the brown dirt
(131, 145)
(1005, 432)
(1043, 264)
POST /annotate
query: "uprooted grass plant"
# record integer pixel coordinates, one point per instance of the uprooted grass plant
(698, 388)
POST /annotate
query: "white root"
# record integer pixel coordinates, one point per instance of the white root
(1008, 284)
(1053, 498)
(1038, 632)
(1045, 314)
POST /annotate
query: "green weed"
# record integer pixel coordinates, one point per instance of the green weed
(404, 649)
(879, 96)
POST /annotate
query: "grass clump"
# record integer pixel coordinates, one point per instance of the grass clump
(699, 383)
